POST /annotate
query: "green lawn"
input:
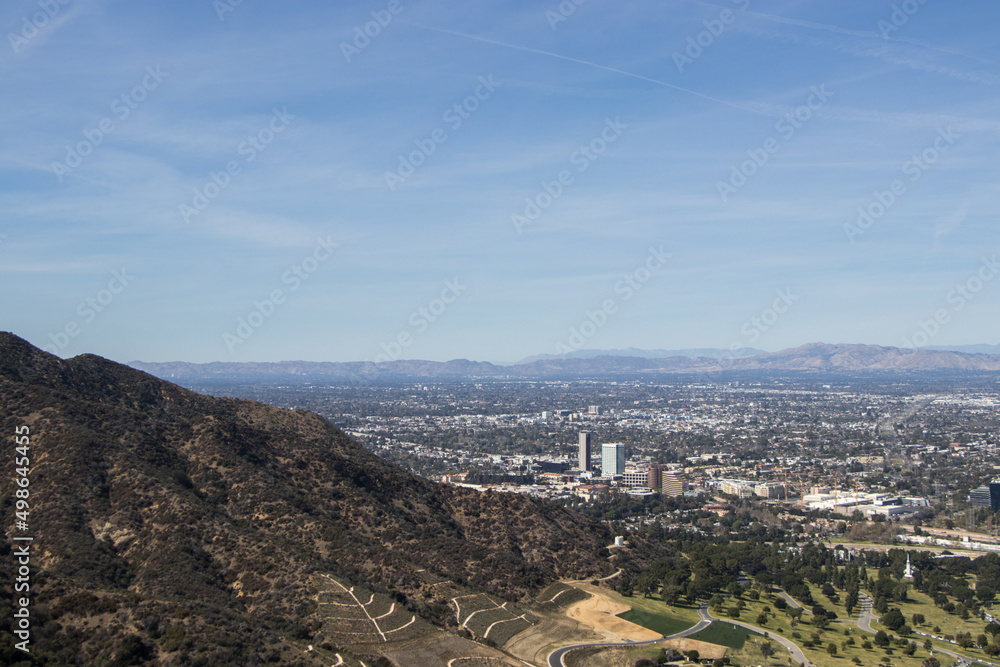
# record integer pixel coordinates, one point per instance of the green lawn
(836, 607)
(654, 605)
(656, 615)
(778, 623)
(750, 654)
(657, 622)
(950, 624)
(724, 634)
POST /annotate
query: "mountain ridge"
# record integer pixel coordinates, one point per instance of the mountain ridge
(811, 357)
(691, 353)
(981, 348)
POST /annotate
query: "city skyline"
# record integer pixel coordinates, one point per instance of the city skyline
(233, 182)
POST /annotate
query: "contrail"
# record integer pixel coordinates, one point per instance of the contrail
(846, 31)
(528, 49)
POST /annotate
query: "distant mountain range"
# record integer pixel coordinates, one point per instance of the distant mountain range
(692, 353)
(814, 357)
(968, 349)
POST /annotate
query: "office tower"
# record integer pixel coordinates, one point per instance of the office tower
(654, 476)
(584, 453)
(673, 484)
(986, 496)
(612, 459)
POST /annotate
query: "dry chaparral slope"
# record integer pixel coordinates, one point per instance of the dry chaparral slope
(171, 527)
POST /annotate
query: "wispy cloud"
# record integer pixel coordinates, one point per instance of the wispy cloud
(902, 51)
(615, 70)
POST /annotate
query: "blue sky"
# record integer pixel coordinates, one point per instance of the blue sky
(265, 181)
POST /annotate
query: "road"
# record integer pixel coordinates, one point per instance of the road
(865, 617)
(794, 604)
(797, 654)
(557, 656)
(705, 621)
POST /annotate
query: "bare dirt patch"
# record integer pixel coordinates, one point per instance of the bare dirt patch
(600, 613)
(606, 657)
(626, 656)
(705, 650)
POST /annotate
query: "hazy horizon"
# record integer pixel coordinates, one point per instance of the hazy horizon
(589, 353)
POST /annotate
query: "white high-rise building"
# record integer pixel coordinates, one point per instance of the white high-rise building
(612, 459)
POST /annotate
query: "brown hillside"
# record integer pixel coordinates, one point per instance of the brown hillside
(159, 513)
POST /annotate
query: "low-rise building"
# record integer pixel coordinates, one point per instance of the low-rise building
(635, 478)
(735, 487)
(590, 491)
(769, 490)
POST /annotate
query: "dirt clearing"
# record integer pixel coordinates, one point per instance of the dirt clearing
(601, 613)
(705, 650)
